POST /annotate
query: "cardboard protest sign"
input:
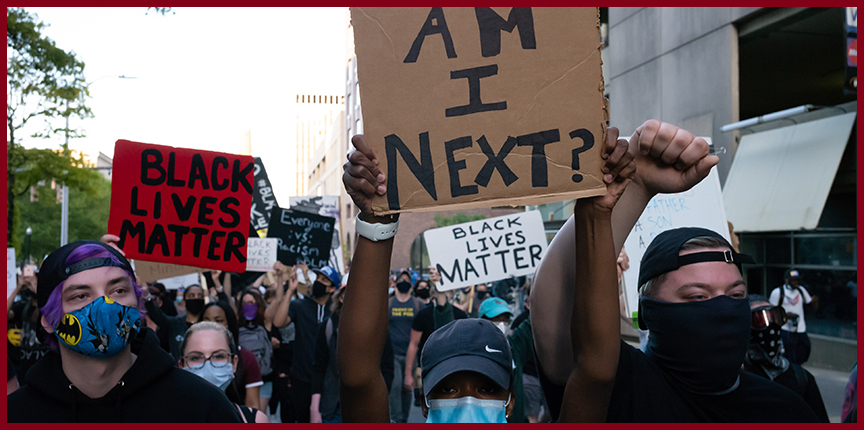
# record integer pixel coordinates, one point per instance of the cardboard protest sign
(263, 199)
(148, 271)
(327, 206)
(701, 206)
(475, 107)
(487, 250)
(302, 237)
(11, 281)
(181, 206)
(261, 255)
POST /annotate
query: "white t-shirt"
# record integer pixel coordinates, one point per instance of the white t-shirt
(793, 302)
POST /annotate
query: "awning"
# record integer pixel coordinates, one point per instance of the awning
(779, 179)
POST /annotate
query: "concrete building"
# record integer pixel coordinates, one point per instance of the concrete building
(316, 115)
(706, 68)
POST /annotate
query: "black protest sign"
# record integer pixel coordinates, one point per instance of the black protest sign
(303, 236)
(263, 199)
(476, 107)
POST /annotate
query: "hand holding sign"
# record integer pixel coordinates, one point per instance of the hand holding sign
(361, 176)
(618, 169)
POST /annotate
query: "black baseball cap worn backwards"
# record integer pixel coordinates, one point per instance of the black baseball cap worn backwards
(471, 344)
(662, 254)
(54, 269)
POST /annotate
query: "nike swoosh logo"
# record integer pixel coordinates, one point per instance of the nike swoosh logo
(491, 350)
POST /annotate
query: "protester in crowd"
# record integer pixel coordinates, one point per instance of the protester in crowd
(402, 309)
(427, 320)
(161, 332)
(164, 300)
(23, 344)
(325, 374)
(532, 393)
(849, 411)
(104, 367)
(209, 352)
(693, 300)
(307, 314)
(222, 288)
(467, 364)
(11, 379)
(283, 339)
(176, 326)
(765, 355)
(793, 296)
(422, 292)
(254, 336)
(495, 309)
(247, 380)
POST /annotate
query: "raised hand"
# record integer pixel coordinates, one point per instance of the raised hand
(618, 169)
(361, 176)
(669, 159)
(112, 240)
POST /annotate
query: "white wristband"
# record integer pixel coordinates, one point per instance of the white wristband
(377, 231)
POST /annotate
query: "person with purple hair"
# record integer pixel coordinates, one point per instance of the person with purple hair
(103, 365)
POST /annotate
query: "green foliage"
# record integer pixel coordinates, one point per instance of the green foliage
(458, 218)
(88, 216)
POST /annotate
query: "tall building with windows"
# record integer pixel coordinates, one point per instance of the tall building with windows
(316, 114)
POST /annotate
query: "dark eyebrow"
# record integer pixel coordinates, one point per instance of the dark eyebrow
(118, 280)
(704, 286)
(76, 287)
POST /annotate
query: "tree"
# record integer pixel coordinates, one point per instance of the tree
(88, 216)
(43, 82)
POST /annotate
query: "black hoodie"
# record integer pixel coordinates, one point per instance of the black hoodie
(152, 390)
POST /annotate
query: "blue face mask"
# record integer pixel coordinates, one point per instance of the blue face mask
(218, 376)
(467, 410)
(100, 329)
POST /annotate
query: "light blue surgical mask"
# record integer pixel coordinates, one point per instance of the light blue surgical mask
(467, 410)
(219, 376)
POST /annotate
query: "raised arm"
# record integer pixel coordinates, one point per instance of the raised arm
(281, 318)
(279, 270)
(668, 160)
(363, 326)
(594, 320)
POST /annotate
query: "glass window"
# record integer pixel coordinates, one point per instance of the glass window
(752, 246)
(828, 251)
(778, 250)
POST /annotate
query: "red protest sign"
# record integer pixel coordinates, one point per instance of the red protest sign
(181, 206)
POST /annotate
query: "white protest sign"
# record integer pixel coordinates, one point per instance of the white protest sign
(487, 250)
(701, 206)
(10, 271)
(178, 282)
(261, 254)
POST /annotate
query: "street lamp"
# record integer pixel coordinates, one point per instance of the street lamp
(29, 232)
(64, 207)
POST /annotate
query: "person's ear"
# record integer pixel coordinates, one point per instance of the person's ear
(236, 360)
(48, 328)
(510, 405)
(424, 408)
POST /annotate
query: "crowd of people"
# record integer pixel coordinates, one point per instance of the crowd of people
(88, 342)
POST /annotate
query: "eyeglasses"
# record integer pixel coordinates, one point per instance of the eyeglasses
(218, 359)
(761, 317)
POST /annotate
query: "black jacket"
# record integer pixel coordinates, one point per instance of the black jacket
(152, 390)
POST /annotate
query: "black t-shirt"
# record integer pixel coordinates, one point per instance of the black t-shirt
(644, 393)
(425, 323)
(401, 314)
(307, 315)
(530, 366)
(23, 347)
(799, 380)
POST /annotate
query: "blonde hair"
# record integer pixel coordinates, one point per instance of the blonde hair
(209, 325)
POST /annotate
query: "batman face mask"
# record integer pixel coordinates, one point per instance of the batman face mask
(100, 329)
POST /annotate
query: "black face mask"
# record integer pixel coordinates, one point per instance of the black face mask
(27, 293)
(700, 344)
(318, 289)
(766, 346)
(194, 306)
(422, 293)
(403, 287)
(481, 295)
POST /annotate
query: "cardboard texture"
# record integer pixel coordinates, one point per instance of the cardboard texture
(488, 250)
(302, 237)
(181, 206)
(477, 107)
(148, 271)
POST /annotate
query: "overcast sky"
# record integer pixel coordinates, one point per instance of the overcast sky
(204, 75)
